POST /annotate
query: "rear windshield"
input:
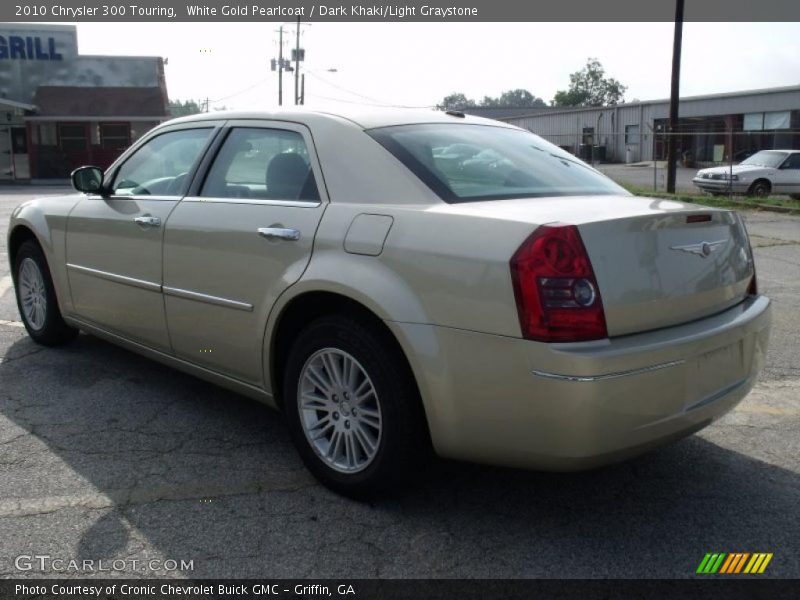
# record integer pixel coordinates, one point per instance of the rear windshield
(464, 163)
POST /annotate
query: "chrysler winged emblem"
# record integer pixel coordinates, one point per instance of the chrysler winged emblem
(702, 249)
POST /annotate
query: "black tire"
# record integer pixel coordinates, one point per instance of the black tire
(53, 330)
(794, 196)
(760, 189)
(403, 448)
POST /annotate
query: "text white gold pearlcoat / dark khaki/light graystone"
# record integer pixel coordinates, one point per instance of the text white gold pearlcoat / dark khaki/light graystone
(400, 283)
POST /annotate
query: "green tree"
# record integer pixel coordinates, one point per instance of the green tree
(185, 108)
(518, 98)
(455, 101)
(591, 87)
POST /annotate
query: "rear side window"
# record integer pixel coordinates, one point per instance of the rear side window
(463, 163)
(267, 164)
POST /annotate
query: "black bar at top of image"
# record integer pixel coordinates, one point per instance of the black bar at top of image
(403, 10)
(723, 588)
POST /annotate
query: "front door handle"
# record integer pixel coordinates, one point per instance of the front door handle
(152, 221)
(279, 233)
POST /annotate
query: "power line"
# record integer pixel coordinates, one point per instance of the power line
(372, 101)
(247, 89)
(362, 103)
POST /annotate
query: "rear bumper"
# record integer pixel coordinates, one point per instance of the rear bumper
(721, 186)
(514, 402)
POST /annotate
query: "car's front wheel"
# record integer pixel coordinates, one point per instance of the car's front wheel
(36, 297)
(352, 407)
(760, 189)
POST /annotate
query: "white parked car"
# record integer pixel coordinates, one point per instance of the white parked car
(340, 269)
(766, 172)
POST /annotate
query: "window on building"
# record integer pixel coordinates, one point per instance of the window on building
(114, 136)
(754, 122)
(588, 135)
(72, 136)
(777, 120)
(631, 134)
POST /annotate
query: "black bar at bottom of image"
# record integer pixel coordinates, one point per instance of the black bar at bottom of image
(727, 588)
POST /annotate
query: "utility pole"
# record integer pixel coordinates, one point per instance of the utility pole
(297, 65)
(674, 97)
(303, 88)
(280, 66)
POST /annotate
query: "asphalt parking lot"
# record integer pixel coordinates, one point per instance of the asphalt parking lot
(106, 455)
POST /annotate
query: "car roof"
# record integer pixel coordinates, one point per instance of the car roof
(365, 117)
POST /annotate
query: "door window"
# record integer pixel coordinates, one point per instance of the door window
(793, 162)
(269, 164)
(162, 165)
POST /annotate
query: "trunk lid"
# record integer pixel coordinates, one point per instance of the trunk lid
(647, 254)
(656, 271)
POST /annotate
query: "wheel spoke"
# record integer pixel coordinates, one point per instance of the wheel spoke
(318, 379)
(329, 362)
(364, 440)
(312, 402)
(348, 450)
(322, 431)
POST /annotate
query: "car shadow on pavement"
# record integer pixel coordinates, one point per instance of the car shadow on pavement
(108, 455)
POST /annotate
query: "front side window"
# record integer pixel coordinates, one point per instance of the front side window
(266, 164)
(464, 163)
(161, 166)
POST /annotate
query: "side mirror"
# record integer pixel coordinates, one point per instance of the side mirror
(87, 179)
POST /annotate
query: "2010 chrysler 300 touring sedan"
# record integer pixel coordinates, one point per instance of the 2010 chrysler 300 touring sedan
(397, 282)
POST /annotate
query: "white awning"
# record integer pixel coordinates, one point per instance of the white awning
(15, 104)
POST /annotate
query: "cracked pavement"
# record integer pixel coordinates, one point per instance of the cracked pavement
(107, 455)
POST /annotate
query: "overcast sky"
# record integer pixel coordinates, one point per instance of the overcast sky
(417, 64)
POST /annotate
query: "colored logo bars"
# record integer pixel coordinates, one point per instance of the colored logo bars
(734, 562)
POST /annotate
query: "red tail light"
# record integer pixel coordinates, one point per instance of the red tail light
(558, 299)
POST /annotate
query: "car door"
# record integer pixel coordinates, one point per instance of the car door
(787, 176)
(114, 242)
(239, 239)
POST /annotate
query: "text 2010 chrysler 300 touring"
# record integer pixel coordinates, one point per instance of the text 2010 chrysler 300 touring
(401, 281)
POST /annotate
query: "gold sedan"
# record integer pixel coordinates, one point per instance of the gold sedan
(400, 283)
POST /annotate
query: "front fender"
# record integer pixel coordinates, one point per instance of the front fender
(46, 219)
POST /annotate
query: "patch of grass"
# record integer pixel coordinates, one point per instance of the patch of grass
(736, 202)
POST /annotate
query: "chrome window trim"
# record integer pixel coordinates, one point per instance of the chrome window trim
(131, 281)
(254, 201)
(207, 298)
(605, 376)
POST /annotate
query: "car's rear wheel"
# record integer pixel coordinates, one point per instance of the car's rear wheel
(760, 189)
(794, 196)
(36, 297)
(352, 408)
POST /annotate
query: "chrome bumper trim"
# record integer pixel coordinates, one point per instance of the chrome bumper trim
(587, 378)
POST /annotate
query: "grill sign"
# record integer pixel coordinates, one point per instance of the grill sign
(16, 47)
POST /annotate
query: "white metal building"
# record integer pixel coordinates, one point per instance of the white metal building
(711, 127)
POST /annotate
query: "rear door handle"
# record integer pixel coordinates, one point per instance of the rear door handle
(279, 233)
(152, 221)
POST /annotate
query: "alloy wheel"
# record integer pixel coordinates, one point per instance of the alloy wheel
(340, 411)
